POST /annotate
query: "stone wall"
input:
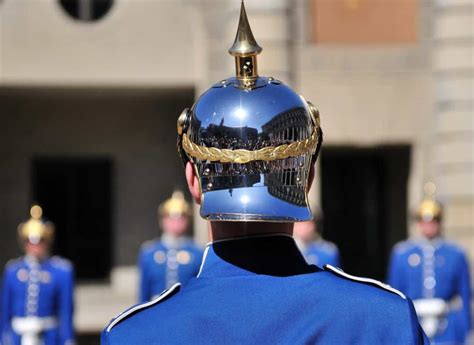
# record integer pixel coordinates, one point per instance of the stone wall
(452, 133)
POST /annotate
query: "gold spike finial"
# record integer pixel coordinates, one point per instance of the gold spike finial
(245, 48)
(430, 190)
(177, 194)
(245, 43)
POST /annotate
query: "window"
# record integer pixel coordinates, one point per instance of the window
(86, 10)
(364, 21)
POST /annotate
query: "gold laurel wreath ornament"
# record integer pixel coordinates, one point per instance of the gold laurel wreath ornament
(241, 156)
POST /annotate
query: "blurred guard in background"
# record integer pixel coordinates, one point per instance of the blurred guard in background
(434, 272)
(37, 292)
(315, 249)
(172, 259)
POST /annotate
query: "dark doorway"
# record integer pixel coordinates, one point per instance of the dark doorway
(75, 194)
(88, 339)
(364, 198)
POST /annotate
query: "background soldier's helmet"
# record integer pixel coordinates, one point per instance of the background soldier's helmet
(36, 229)
(176, 206)
(252, 140)
(429, 209)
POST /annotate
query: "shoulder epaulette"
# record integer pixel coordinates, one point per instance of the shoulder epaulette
(403, 246)
(329, 246)
(128, 312)
(370, 281)
(454, 246)
(12, 262)
(61, 262)
(148, 244)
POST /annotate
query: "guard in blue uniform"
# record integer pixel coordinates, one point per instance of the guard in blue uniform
(314, 248)
(434, 273)
(172, 259)
(249, 145)
(37, 292)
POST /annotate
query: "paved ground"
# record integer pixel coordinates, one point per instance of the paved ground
(97, 304)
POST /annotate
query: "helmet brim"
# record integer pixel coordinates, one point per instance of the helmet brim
(252, 204)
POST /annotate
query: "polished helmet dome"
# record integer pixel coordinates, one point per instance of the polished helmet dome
(253, 141)
(36, 229)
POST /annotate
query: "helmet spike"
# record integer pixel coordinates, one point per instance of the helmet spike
(245, 43)
(430, 190)
(245, 49)
(177, 194)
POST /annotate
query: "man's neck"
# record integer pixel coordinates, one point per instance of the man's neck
(432, 239)
(268, 254)
(218, 231)
(34, 259)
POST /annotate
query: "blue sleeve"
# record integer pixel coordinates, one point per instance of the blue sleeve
(104, 337)
(395, 272)
(5, 311)
(464, 290)
(66, 308)
(144, 288)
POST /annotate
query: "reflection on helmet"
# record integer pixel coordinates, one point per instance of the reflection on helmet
(430, 209)
(176, 206)
(36, 229)
(253, 141)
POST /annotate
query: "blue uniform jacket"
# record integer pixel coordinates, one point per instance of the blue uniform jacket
(261, 291)
(163, 264)
(435, 269)
(38, 289)
(322, 253)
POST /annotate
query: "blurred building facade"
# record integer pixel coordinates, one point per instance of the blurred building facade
(93, 103)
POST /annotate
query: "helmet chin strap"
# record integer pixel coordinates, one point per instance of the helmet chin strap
(182, 126)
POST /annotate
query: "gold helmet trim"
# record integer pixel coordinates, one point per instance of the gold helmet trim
(35, 229)
(242, 156)
(176, 206)
(269, 153)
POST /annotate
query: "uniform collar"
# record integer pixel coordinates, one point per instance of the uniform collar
(435, 242)
(174, 241)
(33, 261)
(302, 245)
(273, 255)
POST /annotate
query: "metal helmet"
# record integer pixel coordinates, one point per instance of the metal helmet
(36, 229)
(429, 209)
(176, 206)
(252, 141)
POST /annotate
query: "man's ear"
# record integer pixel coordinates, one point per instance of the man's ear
(310, 177)
(193, 183)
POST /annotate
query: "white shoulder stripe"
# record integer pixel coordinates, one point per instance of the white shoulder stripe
(203, 261)
(126, 313)
(364, 280)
